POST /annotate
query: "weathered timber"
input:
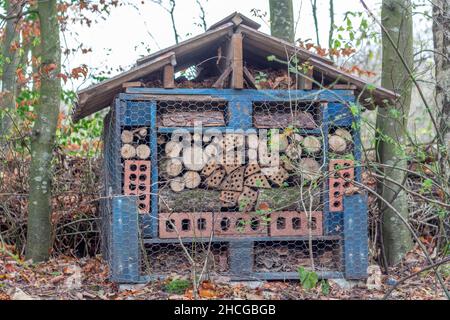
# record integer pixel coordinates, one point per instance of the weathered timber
(169, 76)
(197, 200)
(288, 199)
(188, 119)
(283, 120)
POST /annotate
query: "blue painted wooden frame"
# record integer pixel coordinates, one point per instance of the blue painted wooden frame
(241, 117)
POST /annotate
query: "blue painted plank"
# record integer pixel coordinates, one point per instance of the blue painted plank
(339, 115)
(254, 95)
(356, 250)
(240, 114)
(155, 173)
(125, 258)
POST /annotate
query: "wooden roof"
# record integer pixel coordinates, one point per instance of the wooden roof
(255, 45)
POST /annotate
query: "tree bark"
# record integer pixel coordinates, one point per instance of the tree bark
(43, 136)
(10, 61)
(397, 19)
(282, 22)
(441, 37)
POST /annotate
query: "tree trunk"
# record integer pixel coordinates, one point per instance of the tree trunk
(331, 30)
(10, 61)
(43, 136)
(397, 19)
(282, 22)
(441, 37)
(441, 34)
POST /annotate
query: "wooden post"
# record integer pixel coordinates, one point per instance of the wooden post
(169, 76)
(306, 84)
(237, 62)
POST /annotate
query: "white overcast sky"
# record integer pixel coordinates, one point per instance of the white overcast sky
(122, 38)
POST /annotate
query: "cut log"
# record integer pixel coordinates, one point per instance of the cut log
(252, 169)
(162, 139)
(229, 199)
(189, 119)
(209, 168)
(287, 163)
(257, 181)
(143, 152)
(197, 200)
(211, 151)
(309, 169)
(278, 176)
(127, 137)
(194, 159)
(173, 149)
(247, 199)
(128, 151)
(192, 179)
(215, 179)
(294, 151)
(337, 144)
(177, 184)
(289, 199)
(312, 145)
(344, 134)
(234, 181)
(296, 138)
(141, 133)
(173, 167)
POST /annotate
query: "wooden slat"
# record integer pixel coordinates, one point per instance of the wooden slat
(250, 79)
(277, 46)
(100, 96)
(237, 19)
(306, 83)
(199, 42)
(169, 76)
(134, 84)
(220, 83)
(379, 94)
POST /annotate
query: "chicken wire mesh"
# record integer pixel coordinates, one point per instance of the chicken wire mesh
(233, 184)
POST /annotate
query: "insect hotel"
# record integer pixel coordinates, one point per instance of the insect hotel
(233, 154)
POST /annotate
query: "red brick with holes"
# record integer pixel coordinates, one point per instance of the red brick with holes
(185, 225)
(342, 175)
(232, 224)
(137, 182)
(288, 224)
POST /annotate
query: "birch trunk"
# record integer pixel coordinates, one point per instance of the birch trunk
(282, 22)
(397, 19)
(10, 61)
(43, 136)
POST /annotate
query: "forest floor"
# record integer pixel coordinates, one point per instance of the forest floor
(87, 279)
